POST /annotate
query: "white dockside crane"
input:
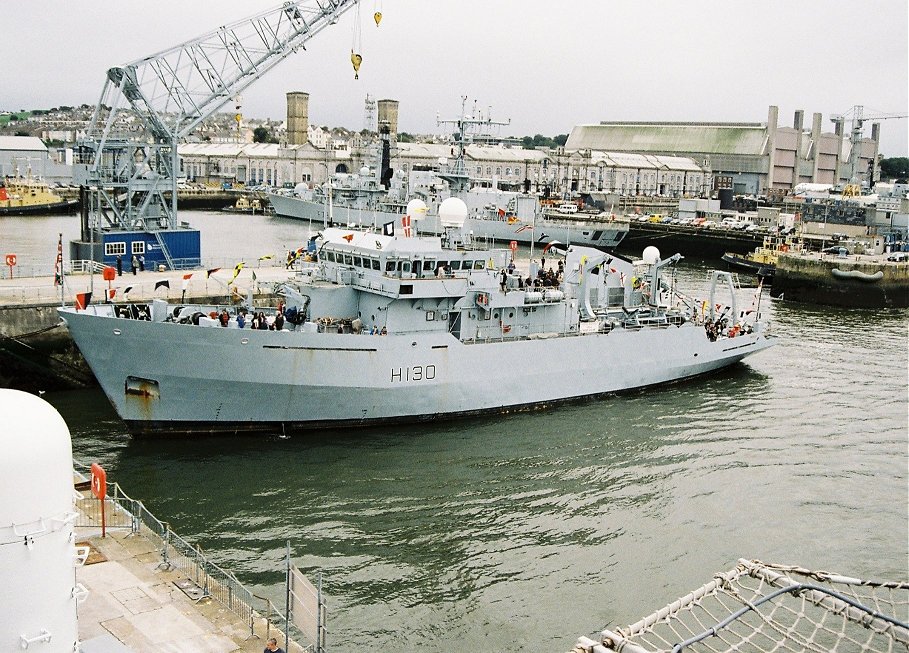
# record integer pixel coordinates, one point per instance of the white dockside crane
(131, 175)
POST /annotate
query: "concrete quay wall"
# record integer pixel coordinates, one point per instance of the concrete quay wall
(856, 281)
(688, 240)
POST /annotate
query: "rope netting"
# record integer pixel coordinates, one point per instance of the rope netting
(761, 608)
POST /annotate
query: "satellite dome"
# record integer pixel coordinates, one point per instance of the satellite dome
(453, 212)
(651, 255)
(364, 171)
(416, 209)
(36, 510)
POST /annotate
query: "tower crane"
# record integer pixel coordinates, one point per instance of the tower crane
(129, 163)
(858, 119)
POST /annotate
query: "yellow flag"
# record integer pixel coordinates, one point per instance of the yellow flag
(237, 269)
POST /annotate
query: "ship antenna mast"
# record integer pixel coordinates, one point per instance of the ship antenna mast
(457, 175)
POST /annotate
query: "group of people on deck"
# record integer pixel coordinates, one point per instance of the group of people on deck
(258, 321)
(545, 278)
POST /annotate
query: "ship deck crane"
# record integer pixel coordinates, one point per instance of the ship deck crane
(132, 176)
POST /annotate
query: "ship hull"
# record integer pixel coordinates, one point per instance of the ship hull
(575, 231)
(230, 380)
(738, 262)
(66, 206)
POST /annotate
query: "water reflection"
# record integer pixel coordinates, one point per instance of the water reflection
(525, 530)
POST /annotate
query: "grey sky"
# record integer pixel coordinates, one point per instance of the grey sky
(546, 66)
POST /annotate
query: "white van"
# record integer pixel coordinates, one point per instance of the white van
(567, 208)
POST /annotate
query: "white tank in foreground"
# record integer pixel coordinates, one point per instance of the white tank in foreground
(37, 552)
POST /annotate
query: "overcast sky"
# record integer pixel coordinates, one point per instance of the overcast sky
(546, 66)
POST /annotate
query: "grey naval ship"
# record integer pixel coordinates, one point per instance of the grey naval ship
(378, 195)
(493, 215)
(380, 327)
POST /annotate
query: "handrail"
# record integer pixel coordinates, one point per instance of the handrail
(178, 554)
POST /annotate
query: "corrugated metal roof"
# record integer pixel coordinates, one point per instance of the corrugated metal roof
(503, 154)
(743, 138)
(425, 150)
(22, 143)
(644, 161)
(229, 149)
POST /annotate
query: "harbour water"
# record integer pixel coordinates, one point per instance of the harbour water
(521, 532)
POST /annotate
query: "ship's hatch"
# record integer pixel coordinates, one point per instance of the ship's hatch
(144, 388)
(454, 324)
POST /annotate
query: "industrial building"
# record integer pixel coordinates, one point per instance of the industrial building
(24, 155)
(749, 158)
(309, 155)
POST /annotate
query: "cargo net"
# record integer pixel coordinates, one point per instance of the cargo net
(760, 607)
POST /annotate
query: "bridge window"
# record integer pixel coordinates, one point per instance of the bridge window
(389, 266)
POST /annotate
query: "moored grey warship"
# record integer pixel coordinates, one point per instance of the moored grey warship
(381, 328)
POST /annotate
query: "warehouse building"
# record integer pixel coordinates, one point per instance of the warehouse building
(749, 158)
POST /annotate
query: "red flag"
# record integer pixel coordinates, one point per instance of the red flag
(82, 300)
(348, 237)
(111, 293)
(58, 265)
(186, 278)
(208, 273)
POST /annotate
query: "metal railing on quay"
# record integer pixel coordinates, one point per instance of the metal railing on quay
(189, 561)
(79, 267)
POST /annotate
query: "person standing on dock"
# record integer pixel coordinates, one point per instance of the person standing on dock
(135, 264)
(119, 265)
(272, 646)
(142, 263)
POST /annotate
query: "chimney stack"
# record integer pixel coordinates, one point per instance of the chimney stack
(297, 118)
(388, 114)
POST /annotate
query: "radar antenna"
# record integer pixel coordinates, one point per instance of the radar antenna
(456, 174)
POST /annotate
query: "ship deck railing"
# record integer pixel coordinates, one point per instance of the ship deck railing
(208, 580)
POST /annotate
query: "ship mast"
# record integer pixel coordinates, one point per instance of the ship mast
(456, 174)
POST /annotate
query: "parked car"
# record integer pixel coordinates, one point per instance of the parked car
(899, 257)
